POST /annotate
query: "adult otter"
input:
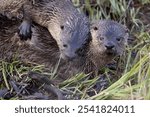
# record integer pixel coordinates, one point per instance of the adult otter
(41, 49)
(66, 24)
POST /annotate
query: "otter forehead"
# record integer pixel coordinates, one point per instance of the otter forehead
(109, 29)
(79, 23)
(77, 26)
(112, 31)
(76, 33)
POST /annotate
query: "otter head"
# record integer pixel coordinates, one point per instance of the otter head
(70, 29)
(109, 38)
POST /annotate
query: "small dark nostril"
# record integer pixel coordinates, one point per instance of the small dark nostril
(65, 45)
(109, 46)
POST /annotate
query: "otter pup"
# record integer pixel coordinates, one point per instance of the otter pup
(66, 24)
(108, 40)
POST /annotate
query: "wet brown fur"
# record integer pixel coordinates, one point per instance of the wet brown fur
(60, 17)
(39, 50)
(43, 49)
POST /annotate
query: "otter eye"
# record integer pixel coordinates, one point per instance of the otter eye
(65, 45)
(95, 28)
(62, 27)
(101, 38)
(119, 39)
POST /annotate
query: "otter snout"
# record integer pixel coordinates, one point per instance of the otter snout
(68, 52)
(71, 49)
(110, 48)
(68, 56)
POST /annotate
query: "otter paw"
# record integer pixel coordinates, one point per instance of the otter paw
(24, 31)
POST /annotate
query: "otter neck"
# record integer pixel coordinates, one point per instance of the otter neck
(98, 59)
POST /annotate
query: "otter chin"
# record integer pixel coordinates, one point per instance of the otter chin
(111, 53)
(67, 57)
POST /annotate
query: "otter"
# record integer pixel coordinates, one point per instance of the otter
(65, 23)
(40, 49)
(108, 39)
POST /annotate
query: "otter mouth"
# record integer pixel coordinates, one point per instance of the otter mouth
(111, 53)
(67, 58)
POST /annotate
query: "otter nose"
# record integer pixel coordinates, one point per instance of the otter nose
(109, 46)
